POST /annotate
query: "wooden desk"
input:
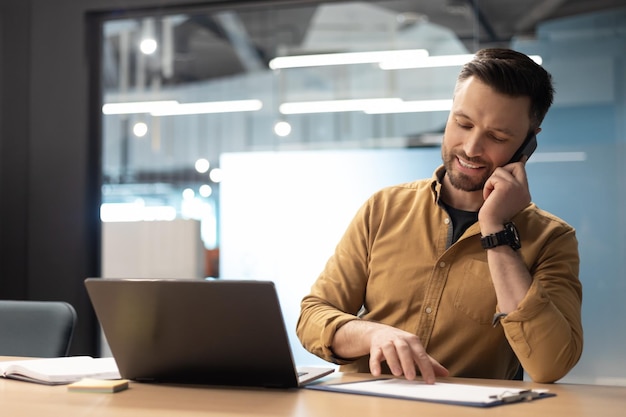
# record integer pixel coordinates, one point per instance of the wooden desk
(26, 399)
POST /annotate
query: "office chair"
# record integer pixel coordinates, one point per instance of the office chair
(36, 328)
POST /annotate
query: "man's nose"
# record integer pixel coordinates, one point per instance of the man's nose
(473, 145)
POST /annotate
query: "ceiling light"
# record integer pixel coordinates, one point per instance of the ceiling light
(369, 106)
(415, 106)
(435, 61)
(140, 129)
(173, 107)
(202, 165)
(216, 175)
(282, 129)
(331, 106)
(137, 107)
(148, 46)
(317, 60)
(210, 107)
(205, 190)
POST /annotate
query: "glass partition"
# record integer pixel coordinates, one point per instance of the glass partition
(364, 86)
(181, 89)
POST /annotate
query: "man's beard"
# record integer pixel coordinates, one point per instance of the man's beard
(459, 180)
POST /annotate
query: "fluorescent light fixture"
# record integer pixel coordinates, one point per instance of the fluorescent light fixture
(427, 62)
(416, 106)
(369, 106)
(137, 107)
(435, 61)
(345, 58)
(210, 107)
(387, 60)
(333, 106)
(173, 107)
(132, 212)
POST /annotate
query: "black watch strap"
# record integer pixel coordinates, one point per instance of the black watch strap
(509, 236)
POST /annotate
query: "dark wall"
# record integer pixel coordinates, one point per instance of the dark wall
(14, 133)
(49, 153)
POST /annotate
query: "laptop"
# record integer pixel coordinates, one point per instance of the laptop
(215, 332)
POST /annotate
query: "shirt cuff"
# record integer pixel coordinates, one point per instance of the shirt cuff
(536, 299)
(328, 334)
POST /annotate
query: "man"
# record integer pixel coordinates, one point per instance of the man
(460, 274)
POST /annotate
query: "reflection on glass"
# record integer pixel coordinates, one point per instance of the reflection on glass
(206, 83)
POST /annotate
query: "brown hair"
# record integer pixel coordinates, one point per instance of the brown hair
(515, 74)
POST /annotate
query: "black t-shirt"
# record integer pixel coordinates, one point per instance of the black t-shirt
(461, 220)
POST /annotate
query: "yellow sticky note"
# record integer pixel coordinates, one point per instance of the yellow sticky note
(98, 385)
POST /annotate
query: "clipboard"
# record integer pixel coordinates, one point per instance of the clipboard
(439, 392)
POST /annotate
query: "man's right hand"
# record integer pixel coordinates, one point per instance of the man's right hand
(402, 351)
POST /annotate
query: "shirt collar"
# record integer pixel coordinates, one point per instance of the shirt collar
(436, 183)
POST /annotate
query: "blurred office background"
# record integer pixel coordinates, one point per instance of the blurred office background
(177, 139)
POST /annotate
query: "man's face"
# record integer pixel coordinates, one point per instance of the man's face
(483, 131)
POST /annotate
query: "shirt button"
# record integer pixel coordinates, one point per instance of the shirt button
(447, 221)
(442, 264)
(429, 310)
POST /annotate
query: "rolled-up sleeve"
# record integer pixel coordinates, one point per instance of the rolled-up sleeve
(546, 330)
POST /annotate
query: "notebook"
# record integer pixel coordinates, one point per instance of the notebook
(217, 332)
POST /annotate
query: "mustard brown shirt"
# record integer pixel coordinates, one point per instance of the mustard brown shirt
(396, 264)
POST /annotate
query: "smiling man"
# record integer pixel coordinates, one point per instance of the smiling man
(460, 274)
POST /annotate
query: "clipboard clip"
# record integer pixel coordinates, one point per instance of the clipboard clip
(512, 397)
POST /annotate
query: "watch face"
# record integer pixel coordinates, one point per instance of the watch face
(512, 236)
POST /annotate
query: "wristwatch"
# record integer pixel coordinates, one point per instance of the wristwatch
(508, 236)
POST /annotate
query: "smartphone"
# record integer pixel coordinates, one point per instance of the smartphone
(527, 148)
